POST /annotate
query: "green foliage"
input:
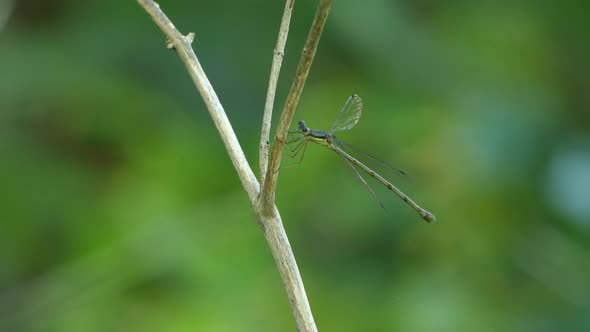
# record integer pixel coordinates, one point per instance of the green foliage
(120, 210)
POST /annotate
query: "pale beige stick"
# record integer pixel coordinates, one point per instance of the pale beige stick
(277, 60)
(307, 55)
(270, 221)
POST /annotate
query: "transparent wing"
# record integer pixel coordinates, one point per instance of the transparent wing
(360, 177)
(347, 147)
(349, 115)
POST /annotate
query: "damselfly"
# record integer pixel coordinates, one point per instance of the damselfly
(349, 116)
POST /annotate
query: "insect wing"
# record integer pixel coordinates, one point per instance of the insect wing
(349, 115)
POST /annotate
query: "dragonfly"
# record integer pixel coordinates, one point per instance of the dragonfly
(348, 117)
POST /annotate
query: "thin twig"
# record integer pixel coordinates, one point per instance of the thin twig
(309, 50)
(278, 242)
(277, 60)
(182, 45)
(270, 222)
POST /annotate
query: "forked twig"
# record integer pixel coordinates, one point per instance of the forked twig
(309, 50)
(267, 215)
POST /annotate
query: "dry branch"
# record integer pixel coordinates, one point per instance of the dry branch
(267, 214)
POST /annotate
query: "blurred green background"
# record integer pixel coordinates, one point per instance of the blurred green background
(120, 210)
